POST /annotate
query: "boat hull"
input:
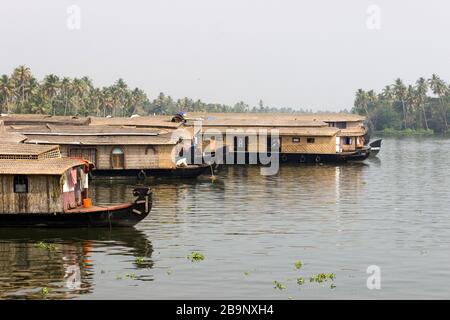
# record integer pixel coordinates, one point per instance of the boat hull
(375, 147)
(299, 158)
(113, 216)
(181, 172)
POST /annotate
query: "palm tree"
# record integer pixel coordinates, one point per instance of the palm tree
(6, 91)
(66, 87)
(421, 97)
(21, 75)
(120, 90)
(399, 90)
(50, 88)
(80, 88)
(411, 103)
(439, 88)
(387, 94)
(361, 102)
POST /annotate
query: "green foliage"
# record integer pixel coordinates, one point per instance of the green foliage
(278, 285)
(196, 256)
(21, 92)
(139, 260)
(321, 277)
(298, 264)
(44, 292)
(300, 281)
(46, 246)
(409, 108)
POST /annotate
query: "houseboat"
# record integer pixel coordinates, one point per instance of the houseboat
(118, 150)
(296, 139)
(39, 188)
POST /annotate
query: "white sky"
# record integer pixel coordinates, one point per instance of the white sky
(300, 54)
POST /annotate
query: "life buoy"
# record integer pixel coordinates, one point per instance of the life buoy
(142, 175)
(284, 158)
(302, 158)
(317, 159)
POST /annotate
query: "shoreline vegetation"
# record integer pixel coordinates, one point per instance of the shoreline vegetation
(22, 93)
(399, 109)
(419, 109)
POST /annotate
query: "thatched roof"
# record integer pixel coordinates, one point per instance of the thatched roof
(55, 166)
(261, 122)
(311, 131)
(9, 137)
(28, 151)
(35, 119)
(101, 139)
(148, 121)
(325, 117)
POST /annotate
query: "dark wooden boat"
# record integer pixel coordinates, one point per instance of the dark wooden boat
(111, 216)
(375, 147)
(39, 188)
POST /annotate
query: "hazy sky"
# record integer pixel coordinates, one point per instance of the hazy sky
(301, 54)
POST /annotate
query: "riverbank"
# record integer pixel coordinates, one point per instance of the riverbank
(388, 132)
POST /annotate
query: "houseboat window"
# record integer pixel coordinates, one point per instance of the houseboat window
(85, 154)
(341, 125)
(241, 143)
(310, 140)
(118, 158)
(296, 139)
(20, 184)
(347, 140)
(331, 124)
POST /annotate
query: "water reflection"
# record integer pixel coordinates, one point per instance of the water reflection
(61, 259)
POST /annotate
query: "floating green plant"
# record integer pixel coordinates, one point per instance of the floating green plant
(139, 260)
(298, 264)
(332, 286)
(196, 256)
(169, 272)
(44, 292)
(46, 246)
(246, 273)
(321, 277)
(131, 276)
(278, 285)
(300, 281)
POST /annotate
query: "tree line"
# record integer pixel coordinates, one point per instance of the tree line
(423, 105)
(21, 92)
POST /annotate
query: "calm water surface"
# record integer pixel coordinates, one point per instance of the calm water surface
(392, 212)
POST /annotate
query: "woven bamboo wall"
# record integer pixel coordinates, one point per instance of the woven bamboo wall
(44, 195)
(136, 156)
(322, 145)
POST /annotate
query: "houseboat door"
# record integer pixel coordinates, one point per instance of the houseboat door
(117, 158)
(338, 145)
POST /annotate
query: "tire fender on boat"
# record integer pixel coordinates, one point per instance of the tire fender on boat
(317, 159)
(142, 175)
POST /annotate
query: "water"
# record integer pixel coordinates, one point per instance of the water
(392, 212)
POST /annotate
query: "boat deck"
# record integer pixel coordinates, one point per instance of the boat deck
(99, 208)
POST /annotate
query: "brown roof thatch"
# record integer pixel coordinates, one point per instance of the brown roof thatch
(36, 119)
(325, 117)
(55, 166)
(101, 139)
(9, 137)
(299, 131)
(265, 122)
(148, 121)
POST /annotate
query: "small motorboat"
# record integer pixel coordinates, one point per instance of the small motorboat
(375, 147)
